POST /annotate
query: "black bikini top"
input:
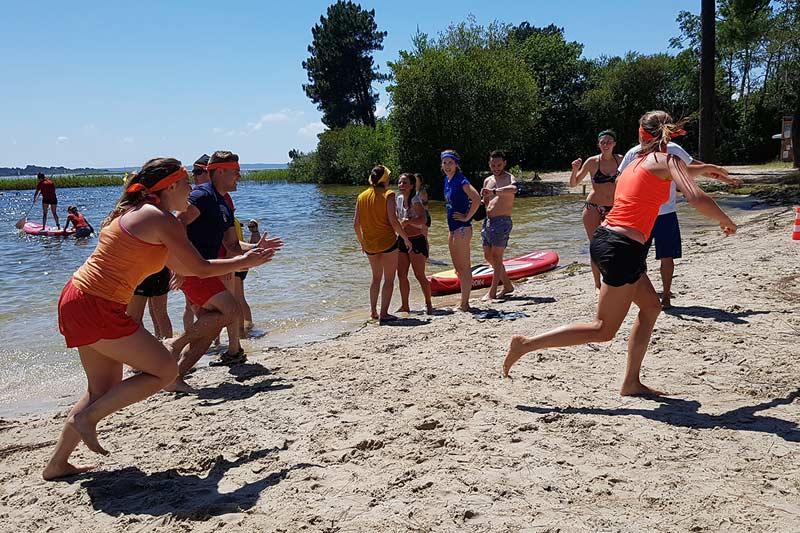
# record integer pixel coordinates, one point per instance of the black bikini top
(599, 177)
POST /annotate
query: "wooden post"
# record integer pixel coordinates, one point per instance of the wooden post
(707, 71)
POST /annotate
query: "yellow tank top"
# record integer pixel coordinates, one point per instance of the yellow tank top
(379, 235)
(118, 264)
(239, 232)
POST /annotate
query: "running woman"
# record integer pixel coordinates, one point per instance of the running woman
(618, 248)
(140, 235)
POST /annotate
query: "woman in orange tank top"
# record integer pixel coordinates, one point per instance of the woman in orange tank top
(618, 250)
(139, 237)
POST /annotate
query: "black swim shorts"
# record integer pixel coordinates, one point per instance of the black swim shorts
(241, 275)
(154, 285)
(419, 245)
(621, 260)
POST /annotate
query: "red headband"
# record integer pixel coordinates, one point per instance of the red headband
(160, 184)
(232, 165)
(645, 136)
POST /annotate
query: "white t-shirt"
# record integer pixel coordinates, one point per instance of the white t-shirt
(672, 148)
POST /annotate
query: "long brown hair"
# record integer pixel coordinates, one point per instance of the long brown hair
(660, 125)
(151, 173)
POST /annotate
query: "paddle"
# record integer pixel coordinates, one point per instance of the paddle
(21, 222)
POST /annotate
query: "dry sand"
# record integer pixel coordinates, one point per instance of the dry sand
(412, 428)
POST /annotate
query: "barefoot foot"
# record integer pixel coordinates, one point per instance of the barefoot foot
(488, 297)
(179, 385)
(429, 309)
(515, 351)
(505, 292)
(55, 471)
(87, 432)
(403, 309)
(638, 389)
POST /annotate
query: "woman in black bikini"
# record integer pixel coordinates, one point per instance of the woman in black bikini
(603, 170)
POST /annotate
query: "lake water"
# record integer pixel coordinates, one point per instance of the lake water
(315, 287)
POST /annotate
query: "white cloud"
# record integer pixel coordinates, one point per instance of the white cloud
(128, 140)
(62, 140)
(314, 128)
(284, 115)
(381, 111)
(218, 130)
(229, 133)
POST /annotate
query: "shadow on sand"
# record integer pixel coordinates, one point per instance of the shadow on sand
(718, 315)
(180, 495)
(685, 413)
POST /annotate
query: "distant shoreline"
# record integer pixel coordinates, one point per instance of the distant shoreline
(32, 170)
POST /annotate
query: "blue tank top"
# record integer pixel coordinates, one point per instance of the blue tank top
(456, 200)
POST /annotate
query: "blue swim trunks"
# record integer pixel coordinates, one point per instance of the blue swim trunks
(495, 231)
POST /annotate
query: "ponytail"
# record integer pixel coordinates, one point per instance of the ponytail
(151, 172)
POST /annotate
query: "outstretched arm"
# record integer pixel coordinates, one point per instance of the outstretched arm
(683, 176)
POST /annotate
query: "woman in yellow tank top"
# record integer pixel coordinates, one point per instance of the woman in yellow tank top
(140, 236)
(376, 227)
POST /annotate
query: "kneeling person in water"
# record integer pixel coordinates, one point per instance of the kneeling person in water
(82, 228)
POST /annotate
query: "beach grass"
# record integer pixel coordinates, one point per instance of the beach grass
(270, 175)
(88, 180)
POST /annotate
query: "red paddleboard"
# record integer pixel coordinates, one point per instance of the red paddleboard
(518, 267)
(32, 228)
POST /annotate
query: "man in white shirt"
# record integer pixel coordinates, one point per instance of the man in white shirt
(666, 230)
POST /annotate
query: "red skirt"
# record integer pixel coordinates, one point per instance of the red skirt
(85, 319)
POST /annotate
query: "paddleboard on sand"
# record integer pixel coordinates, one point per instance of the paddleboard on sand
(32, 228)
(517, 267)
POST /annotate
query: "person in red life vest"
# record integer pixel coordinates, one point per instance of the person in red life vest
(47, 189)
(619, 251)
(82, 228)
(139, 237)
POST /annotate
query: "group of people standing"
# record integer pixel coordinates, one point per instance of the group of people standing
(392, 230)
(159, 221)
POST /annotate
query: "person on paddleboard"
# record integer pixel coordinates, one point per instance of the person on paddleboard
(139, 237)
(82, 228)
(603, 170)
(498, 194)
(47, 189)
(618, 249)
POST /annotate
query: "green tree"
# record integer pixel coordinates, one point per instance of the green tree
(468, 91)
(347, 155)
(341, 69)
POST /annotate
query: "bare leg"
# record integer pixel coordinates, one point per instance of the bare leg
(375, 284)
(235, 325)
(160, 316)
(219, 310)
(389, 268)
(646, 299)
(500, 271)
(136, 307)
(188, 315)
(44, 214)
(591, 220)
(612, 307)
(667, 271)
(247, 313)
(403, 262)
(418, 262)
(108, 393)
(459, 242)
(487, 254)
(55, 215)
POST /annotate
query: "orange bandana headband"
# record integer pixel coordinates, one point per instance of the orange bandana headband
(645, 136)
(231, 165)
(160, 184)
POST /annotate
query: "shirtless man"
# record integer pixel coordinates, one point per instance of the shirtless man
(498, 197)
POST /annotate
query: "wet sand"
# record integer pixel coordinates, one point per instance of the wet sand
(411, 428)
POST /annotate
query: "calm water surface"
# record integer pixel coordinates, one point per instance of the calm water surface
(315, 287)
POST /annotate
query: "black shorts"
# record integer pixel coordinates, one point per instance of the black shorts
(241, 275)
(621, 260)
(419, 245)
(392, 248)
(49, 201)
(154, 285)
(82, 233)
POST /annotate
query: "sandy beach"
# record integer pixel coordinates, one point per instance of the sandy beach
(411, 427)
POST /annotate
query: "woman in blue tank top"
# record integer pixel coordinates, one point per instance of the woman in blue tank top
(462, 201)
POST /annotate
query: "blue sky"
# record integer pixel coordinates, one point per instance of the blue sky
(112, 83)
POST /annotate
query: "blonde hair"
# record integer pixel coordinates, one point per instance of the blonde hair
(660, 125)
